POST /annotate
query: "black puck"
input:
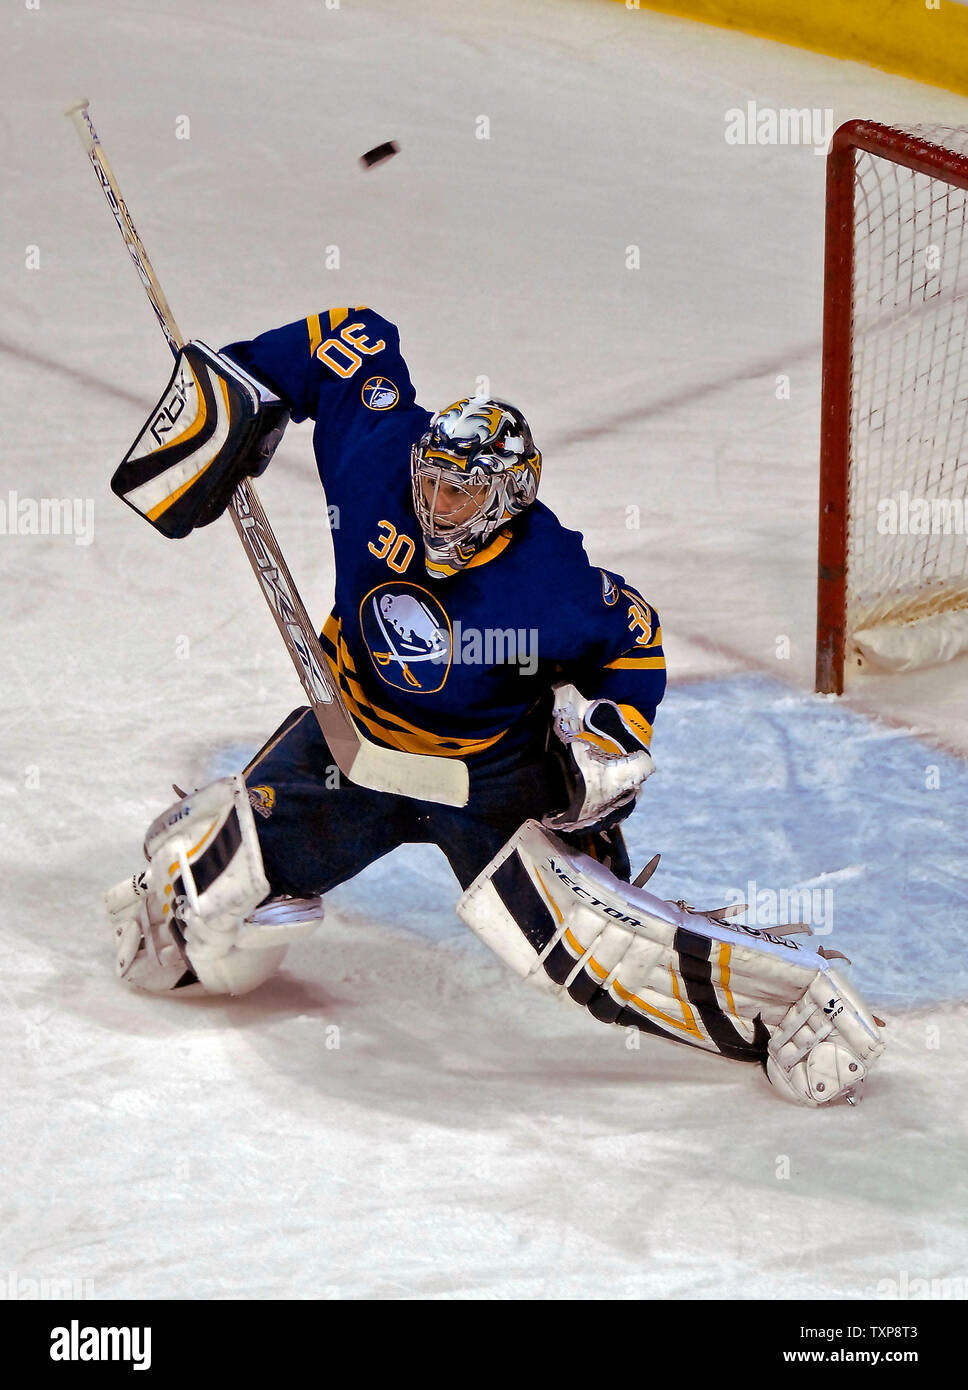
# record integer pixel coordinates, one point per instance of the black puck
(378, 154)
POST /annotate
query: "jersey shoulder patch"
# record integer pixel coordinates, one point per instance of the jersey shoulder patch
(610, 590)
(379, 393)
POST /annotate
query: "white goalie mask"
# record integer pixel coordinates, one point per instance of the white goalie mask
(474, 469)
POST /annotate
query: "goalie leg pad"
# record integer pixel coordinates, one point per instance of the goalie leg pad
(825, 1045)
(565, 924)
(191, 921)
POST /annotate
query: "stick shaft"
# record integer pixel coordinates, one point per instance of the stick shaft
(84, 126)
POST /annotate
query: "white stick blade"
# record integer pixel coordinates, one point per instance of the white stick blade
(411, 774)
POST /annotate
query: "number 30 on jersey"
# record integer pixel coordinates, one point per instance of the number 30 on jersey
(393, 546)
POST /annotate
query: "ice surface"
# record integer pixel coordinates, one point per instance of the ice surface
(464, 1138)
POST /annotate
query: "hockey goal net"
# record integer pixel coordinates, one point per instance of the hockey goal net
(893, 555)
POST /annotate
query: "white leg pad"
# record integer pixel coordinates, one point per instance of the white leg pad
(564, 923)
(190, 922)
(826, 1044)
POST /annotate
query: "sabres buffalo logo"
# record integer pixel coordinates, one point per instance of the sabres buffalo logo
(609, 588)
(408, 636)
(379, 393)
(262, 799)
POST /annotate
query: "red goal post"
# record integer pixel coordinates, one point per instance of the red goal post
(892, 328)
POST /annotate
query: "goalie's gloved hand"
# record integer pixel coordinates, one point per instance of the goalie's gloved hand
(214, 426)
(273, 420)
(605, 762)
(251, 463)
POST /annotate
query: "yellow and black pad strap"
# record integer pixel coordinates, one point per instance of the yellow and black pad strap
(213, 426)
(537, 919)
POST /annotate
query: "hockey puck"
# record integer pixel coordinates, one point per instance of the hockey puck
(379, 153)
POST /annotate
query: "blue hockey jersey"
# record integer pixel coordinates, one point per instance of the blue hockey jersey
(462, 666)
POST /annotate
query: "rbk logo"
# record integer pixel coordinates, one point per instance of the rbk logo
(168, 413)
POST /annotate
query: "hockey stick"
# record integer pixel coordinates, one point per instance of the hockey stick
(427, 778)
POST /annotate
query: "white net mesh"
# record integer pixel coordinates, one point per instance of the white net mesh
(908, 475)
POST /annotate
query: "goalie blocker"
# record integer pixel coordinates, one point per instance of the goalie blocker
(565, 924)
(213, 426)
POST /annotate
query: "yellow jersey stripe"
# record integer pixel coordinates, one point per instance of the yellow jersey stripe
(333, 630)
(315, 333)
(637, 663)
(393, 729)
(347, 671)
(336, 317)
(410, 743)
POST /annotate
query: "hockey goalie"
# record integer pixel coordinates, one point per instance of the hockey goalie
(468, 623)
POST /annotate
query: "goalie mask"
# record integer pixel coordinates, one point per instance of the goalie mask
(474, 469)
